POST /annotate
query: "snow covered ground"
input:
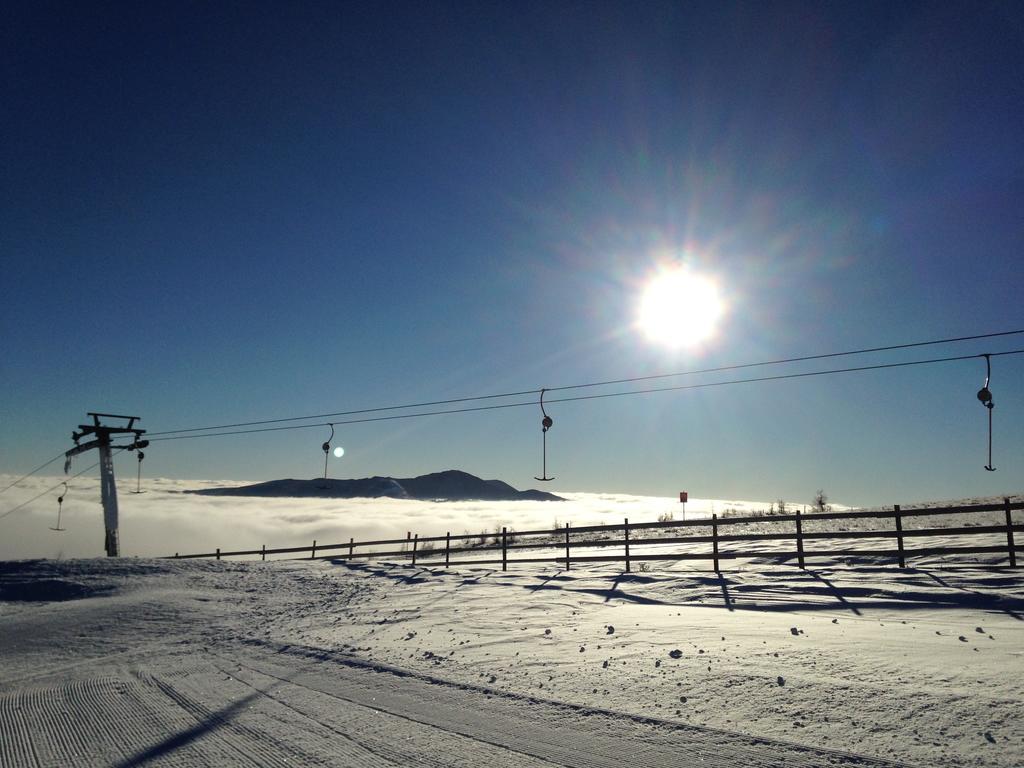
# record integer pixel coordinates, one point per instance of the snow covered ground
(131, 662)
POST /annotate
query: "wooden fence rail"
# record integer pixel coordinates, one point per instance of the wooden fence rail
(509, 541)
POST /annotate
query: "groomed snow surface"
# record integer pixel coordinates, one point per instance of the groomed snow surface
(127, 662)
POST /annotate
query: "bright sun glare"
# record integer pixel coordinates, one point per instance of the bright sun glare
(679, 308)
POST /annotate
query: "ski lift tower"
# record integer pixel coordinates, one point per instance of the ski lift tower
(108, 489)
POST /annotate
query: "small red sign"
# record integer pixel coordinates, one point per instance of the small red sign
(683, 496)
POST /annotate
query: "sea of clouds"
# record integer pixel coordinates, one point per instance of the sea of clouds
(164, 519)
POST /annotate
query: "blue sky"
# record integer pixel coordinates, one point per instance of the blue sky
(215, 213)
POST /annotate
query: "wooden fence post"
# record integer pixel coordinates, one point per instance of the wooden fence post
(899, 535)
(504, 550)
(415, 541)
(714, 538)
(263, 553)
(312, 554)
(1009, 534)
(799, 540)
(567, 546)
(447, 547)
(627, 544)
(351, 541)
(218, 553)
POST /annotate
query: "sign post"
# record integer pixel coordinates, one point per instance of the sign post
(683, 497)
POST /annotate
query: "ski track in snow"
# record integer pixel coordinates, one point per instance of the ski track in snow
(271, 709)
(188, 663)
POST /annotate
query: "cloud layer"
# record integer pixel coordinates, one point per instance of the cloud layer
(164, 520)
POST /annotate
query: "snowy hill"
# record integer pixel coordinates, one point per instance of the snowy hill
(450, 485)
(125, 662)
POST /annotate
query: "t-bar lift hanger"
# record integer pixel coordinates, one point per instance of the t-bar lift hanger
(985, 396)
(326, 448)
(60, 505)
(545, 423)
(138, 477)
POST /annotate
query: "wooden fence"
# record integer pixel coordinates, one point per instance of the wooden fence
(504, 546)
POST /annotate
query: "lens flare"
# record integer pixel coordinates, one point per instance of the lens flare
(679, 308)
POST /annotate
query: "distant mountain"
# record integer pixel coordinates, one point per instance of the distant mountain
(450, 485)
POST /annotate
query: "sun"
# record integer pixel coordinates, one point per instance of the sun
(679, 308)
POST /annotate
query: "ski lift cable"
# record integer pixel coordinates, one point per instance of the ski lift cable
(52, 488)
(37, 469)
(576, 398)
(802, 359)
(209, 429)
(629, 380)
